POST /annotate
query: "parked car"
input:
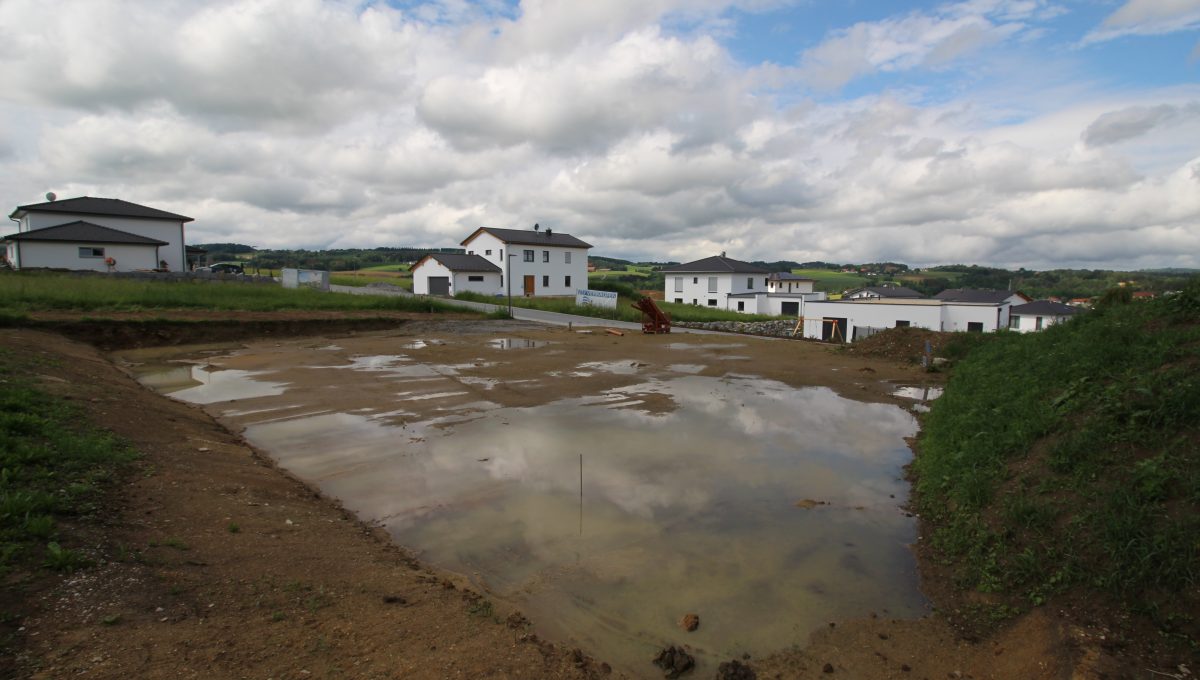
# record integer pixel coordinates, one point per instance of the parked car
(223, 268)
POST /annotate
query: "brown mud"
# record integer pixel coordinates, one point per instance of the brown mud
(215, 563)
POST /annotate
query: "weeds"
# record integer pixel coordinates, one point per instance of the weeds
(1102, 417)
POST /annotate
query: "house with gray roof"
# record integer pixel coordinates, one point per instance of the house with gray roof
(97, 234)
(882, 293)
(451, 273)
(1039, 314)
(726, 283)
(534, 263)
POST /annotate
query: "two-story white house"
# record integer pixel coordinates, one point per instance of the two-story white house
(537, 262)
(709, 282)
(98, 234)
(451, 273)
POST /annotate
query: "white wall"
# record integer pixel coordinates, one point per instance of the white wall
(429, 268)
(162, 230)
(60, 255)
(790, 287)
(956, 316)
(557, 269)
(1027, 323)
(460, 282)
(869, 314)
(695, 288)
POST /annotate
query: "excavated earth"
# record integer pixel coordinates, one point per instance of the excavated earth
(213, 563)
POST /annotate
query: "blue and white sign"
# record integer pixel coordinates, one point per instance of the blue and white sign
(595, 298)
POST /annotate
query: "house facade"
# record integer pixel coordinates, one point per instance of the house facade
(99, 234)
(848, 320)
(711, 281)
(1034, 316)
(449, 274)
(534, 263)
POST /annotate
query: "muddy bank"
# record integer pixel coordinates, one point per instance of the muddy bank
(300, 589)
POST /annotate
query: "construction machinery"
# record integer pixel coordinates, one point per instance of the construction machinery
(654, 320)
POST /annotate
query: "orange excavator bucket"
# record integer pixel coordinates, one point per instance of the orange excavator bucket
(654, 320)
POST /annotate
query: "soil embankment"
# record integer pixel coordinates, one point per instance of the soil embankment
(215, 563)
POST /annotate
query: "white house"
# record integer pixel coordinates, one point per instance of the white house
(534, 263)
(87, 233)
(959, 310)
(709, 282)
(881, 292)
(451, 273)
(1039, 314)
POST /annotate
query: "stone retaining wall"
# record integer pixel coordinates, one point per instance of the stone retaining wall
(778, 329)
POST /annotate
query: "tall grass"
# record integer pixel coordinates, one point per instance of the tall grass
(1070, 458)
(22, 292)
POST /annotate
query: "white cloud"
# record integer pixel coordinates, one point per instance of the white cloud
(1147, 17)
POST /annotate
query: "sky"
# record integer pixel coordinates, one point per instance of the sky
(1015, 133)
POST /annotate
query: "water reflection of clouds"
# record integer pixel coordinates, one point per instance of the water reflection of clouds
(226, 385)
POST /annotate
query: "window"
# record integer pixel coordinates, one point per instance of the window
(974, 326)
(678, 284)
(902, 324)
(1038, 323)
(741, 306)
(470, 252)
(749, 283)
(695, 301)
(712, 302)
(679, 301)
(695, 279)
(487, 252)
(567, 282)
(1014, 321)
(501, 254)
(545, 281)
(545, 256)
(567, 257)
(91, 252)
(712, 284)
(529, 256)
(766, 281)
(473, 277)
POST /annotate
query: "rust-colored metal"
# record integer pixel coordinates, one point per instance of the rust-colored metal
(654, 320)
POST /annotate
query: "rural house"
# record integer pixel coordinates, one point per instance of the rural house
(533, 262)
(1039, 314)
(97, 234)
(881, 292)
(726, 283)
(451, 273)
(847, 320)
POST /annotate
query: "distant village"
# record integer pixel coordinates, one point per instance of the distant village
(113, 235)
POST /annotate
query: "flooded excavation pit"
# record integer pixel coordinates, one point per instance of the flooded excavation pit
(613, 507)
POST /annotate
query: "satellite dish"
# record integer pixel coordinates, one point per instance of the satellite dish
(50, 196)
(537, 227)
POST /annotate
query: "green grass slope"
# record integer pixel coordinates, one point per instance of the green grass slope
(1064, 466)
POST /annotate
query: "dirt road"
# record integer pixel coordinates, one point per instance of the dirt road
(215, 563)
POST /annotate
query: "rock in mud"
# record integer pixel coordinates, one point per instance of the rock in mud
(735, 670)
(674, 662)
(689, 622)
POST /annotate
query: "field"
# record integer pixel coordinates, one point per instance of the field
(21, 293)
(831, 281)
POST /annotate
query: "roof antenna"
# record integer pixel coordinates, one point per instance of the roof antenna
(51, 196)
(722, 253)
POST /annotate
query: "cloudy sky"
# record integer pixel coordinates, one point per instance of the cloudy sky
(1037, 133)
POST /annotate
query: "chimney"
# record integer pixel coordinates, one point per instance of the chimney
(549, 233)
(722, 253)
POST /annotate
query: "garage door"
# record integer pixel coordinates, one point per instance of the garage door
(439, 285)
(789, 308)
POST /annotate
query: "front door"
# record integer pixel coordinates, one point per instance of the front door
(529, 286)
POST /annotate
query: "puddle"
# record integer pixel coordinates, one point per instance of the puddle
(607, 516)
(619, 367)
(686, 368)
(918, 393)
(516, 343)
(704, 346)
(207, 384)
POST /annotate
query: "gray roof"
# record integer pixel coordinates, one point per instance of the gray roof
(1043, 308)
(888, 291)
(111, 207)
(83, 232)
(458, 262)
(717, 264)
(974, 295)
(528, 237)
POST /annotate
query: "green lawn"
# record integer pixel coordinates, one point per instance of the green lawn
(386, 268)
(23, 292)
(831, 281)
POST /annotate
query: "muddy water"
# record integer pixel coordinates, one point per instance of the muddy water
(610, 510)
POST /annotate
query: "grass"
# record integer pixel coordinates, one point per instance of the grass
(1066, 463)
(831, 281)
(623, 312)
(52, 466)
(366, 278)
(24, 292)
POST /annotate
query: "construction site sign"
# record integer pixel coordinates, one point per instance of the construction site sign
(595, 298)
